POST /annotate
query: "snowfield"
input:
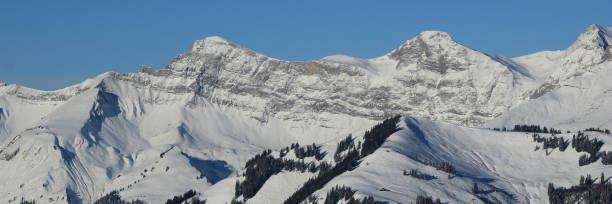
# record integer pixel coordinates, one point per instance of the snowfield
(505, 166)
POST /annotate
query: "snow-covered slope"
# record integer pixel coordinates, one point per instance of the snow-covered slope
(22, 107)
(86, 142)
(504, 165)
(112, 132)
(576, 92)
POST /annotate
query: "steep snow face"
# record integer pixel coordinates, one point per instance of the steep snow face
(540, 64)
(23, 107)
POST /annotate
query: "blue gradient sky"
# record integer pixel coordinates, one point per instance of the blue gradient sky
(52, 44)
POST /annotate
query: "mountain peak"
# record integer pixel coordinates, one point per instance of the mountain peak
(212, 43)
(435, 36)
(591, 47)
(594, 27)
(215, 39)
(428, 44)
(438, 39)
(593, 37)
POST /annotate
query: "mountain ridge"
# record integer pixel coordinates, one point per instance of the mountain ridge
(206, 69)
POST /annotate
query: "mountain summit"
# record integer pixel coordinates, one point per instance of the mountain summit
(594, 36)
(591, 47)
(212, 44)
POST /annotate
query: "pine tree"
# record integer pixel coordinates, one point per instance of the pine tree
(195, 200)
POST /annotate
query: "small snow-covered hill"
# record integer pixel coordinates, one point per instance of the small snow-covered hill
(505, 165)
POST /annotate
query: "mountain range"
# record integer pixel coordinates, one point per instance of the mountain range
(196, 124)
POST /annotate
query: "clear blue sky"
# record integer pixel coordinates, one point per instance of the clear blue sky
(52, 44)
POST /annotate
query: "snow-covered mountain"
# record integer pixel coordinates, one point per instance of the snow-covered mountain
(193, 124)
(430, 76)
(576, 92)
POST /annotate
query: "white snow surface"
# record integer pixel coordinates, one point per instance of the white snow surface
(111, 136)
(576, 93)
(503, 164)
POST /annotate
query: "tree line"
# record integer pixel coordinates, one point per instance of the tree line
(345, 193)
(535, 129)
(550, 142)
(303, 152)
(605, 131)
(420, 199)
(587, 191)
(373, 139)
(178, 199)
(26, 201)
(263, 166)
(419, 175)
(345, 144)
(606, 157)
(582, 143)
(349, 162)
(114, 198)
(441, 166)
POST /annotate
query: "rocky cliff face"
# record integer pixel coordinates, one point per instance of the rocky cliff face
(429, 76)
